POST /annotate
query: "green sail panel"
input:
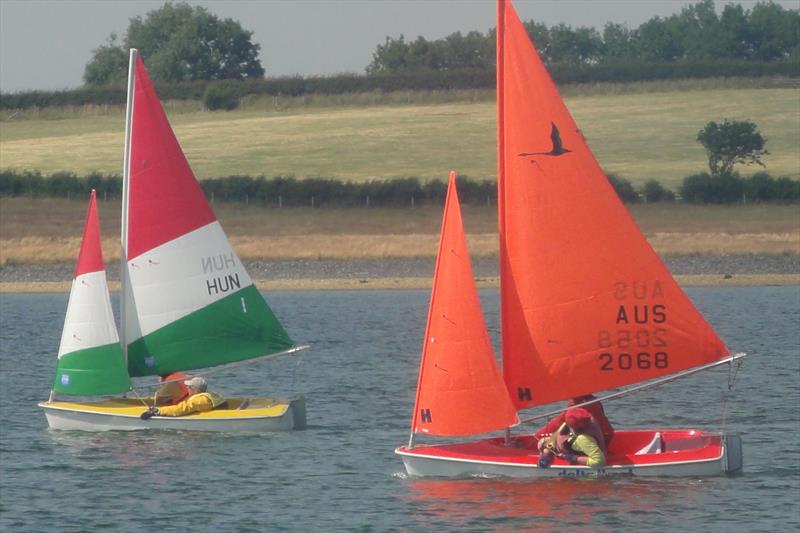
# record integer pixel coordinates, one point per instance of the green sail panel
(238, 327)
(93, 371)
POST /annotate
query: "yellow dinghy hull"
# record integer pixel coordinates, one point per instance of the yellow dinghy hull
(241, 415)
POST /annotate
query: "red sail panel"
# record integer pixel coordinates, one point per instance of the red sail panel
(165, 200)
(90, 257)
(587, 305)
(460, 389)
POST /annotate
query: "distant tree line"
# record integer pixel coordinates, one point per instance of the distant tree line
(401, 192)
(766, 33)
(401, 81)
(221, 66)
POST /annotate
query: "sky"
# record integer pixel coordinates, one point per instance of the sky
(45, 44)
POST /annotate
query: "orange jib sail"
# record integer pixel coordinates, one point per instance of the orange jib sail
(460, 389)
(587, 305)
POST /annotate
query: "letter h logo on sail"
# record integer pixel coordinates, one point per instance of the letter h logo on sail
(524, 394)
(425, 416)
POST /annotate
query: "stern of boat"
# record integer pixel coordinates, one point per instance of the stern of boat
(734, 462)
(298, 407)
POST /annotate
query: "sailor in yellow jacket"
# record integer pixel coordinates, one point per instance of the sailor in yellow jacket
(199, 400)
(579, 440)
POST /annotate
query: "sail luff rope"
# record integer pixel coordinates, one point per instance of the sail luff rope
(625, 392)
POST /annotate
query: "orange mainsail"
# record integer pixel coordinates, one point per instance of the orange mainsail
(460, 389)
(586, 304)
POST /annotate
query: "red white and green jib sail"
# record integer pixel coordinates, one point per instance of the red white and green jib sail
(90, 360)
(189, 301)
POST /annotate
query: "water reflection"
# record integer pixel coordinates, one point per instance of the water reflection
(122, 449)
(562, 501)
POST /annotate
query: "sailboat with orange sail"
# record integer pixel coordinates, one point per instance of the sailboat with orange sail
(586, 305)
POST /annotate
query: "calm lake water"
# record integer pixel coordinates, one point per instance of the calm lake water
(341, 473)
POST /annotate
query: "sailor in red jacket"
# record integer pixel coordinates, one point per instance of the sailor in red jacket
(595, 409)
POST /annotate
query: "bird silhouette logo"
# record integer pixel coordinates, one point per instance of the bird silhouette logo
(558, 146)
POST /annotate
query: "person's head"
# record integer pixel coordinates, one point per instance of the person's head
(578, 418)
(196, 384)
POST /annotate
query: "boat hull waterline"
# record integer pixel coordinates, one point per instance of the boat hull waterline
(244, 415)
(677, 453)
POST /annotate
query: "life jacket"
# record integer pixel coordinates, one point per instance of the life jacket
(175, 391)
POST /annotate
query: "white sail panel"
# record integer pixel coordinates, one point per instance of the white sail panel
(179, 277)
(89, 321)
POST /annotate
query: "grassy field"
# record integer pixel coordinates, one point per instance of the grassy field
(37, 230)
(638, 134)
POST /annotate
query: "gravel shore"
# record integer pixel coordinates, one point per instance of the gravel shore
(399, 268)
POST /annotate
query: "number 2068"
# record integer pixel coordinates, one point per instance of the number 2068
(628, 361)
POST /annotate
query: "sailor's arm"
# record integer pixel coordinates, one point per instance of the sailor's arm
(593, 455)
(195, 404)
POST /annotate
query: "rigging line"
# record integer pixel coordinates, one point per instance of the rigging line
(625, 392)
(297, 364)
(290, 351)
(733, 372)
(144, 402)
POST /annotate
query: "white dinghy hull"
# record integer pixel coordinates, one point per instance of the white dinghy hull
(244, 416)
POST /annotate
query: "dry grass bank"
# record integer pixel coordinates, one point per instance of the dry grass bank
(748, 280)
(49, 230)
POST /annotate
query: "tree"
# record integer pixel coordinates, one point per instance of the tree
(577, 47)
(180, 42)
(109, 64)
(730, 143)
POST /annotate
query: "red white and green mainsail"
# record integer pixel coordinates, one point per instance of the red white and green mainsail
(189, 302)
(90, 360)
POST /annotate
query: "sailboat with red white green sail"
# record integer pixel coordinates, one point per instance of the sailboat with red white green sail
(586, 306)
(186, 303)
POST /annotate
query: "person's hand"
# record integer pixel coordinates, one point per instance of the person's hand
(545, 459)
(544, 442)
(149, 413)
(571, 458)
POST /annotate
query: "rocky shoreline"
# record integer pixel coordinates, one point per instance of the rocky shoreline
(399, 268)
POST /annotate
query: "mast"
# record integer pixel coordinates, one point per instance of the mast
(501, 164)
(126, 174)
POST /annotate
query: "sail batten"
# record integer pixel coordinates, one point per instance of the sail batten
(586, 304)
